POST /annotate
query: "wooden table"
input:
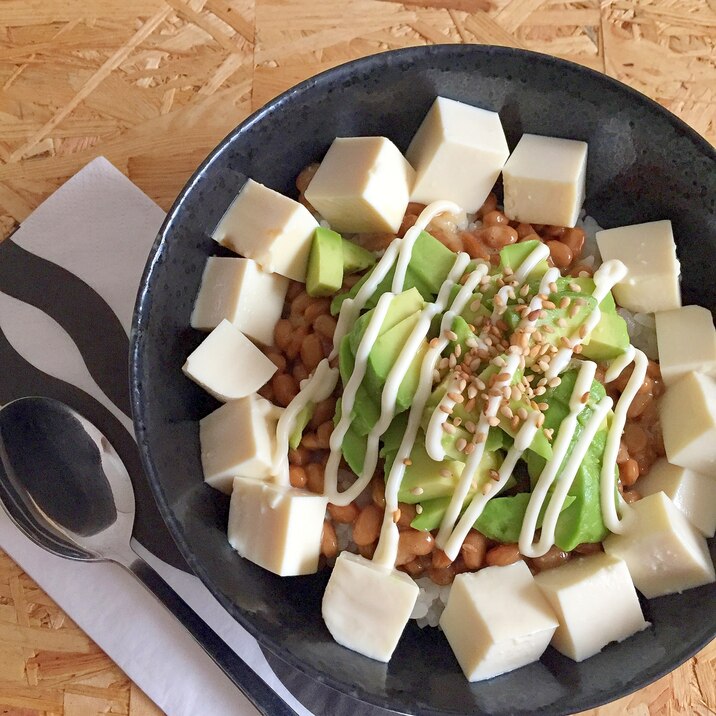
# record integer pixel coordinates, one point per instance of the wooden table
(153, 85)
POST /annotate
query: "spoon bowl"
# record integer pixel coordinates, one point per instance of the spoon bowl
(66, 488)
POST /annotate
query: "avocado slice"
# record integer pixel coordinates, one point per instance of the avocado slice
(513, 255)
(302, 419)
(385, 353)
(463, 332)
(429, 266)
(403, 305)
(608, 340)
(324, 275)
(356, 258)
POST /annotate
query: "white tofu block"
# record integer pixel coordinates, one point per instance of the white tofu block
(238, 439)
(595, 602)
(269, 228)
(686, 339)
(544, 180)
(366, 607)
(240, 292)
(497, 620)
(688, 422)
(691, 492)
(278, 528)
(649, 253)
(363, 185)
(664, 552)
(228, 365)
(458, 153)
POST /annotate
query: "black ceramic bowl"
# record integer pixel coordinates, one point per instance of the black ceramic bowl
(644, 164)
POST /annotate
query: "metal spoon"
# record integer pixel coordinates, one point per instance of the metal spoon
(65, 487)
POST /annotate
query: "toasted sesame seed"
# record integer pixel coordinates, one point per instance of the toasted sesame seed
(554, 382)
(502, 377)
(494, 475)
(445, 409)
(462, 385)
(543, 365)
(525, 290)
(577, 349)
(584, 398)
(475, 305)
(533, 315)
(471, 342)
(448, 428)
(573, 310)
(417, 491)
(529, 378)
(507, 411)
(542, 406)
(534, 352)
(469, 449)
(540, 420)
(396, 516)
(514, 423)
(540, 391)
(470, 427)
(461, 444)
(522, 413)
(457, 422)
(493, 421)
(549, 305)
(575, 287)
(479, 437)
(418, 509)
(583, 331)
(580, 301)
(407, 462)
(470, 405)
(450, 335)
(538, 337)
(565, 342)
(444, 472)
(544, 348)
(547, 329)
(553, 287)
(548, 432)
(515, 392)
(434, 342)
(487, 488)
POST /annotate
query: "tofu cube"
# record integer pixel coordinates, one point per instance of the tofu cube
(363, 185)
(269, 228)
(595, 602)
(649, 253)
(497, 620)
(686, 339)
(228, 365)
(544, 180)
(366, 607)
(239, 291)
(694, 494)
(664, 552)
(238, 439)
(458, 153)
(279, 528)
(688, 422)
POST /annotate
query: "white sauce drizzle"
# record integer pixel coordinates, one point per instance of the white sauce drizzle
(539, 253)
(609, 496)
(559, 449)
(317, 387)
(605, 277)
(523, 440)
(472, 463)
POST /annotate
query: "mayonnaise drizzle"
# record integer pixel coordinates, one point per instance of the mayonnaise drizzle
(559, 449)
(523, 440)
(472, 463)
(605, 277)
(609, 496)
(539, 253)
(317, 387)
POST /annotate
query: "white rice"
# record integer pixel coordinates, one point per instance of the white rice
(642, 331)
(430, 603)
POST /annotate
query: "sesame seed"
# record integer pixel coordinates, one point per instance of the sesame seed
(470, 405)
(530, 378)
(538, 337)
(553, 287)
(584, 398)
(514, 423)
(407, 462)
(479, 437)
(434, 342)
(451, 335)
(515, 393)
(396, 516)
(549, 305)
(540, 420)
(494, 421)
(573, 311)
(457, 422)
(561, 322)
(445, 409)
(494, 475)
(554, 382)
(507, 411)
(418, 509)
(544, 349)
(471, 342)
(475, 306)
(583, 331)
(580, 301)
(522, 413)
(533, 315)
(502, 377)
(547, 329)
(470, 427)
(578, 349)
(461, 444)
(548, 432)
(462, 385)
(525, 290)
(444, 472)
(565, 342)
(449, 429)
(454, 396)
(487, 488)
(540, 391)
(564, 302)
(575, 287)
(507, 271)
(543, 365)
(417, 491)
(472, 391)
(469, 449)
(542, 406)
(452, 361)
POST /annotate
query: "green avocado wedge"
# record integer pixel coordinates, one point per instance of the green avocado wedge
(324, 275)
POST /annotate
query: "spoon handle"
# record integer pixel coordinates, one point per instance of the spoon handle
(261, 695)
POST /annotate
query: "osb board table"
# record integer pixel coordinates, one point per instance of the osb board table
(154, 84)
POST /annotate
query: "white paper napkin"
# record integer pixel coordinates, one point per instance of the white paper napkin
(100, 227)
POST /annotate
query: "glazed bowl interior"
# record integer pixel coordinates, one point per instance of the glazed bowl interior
(644, 164)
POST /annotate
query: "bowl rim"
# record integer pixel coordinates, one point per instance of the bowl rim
(408, 54)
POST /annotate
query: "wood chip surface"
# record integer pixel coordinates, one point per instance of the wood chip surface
(153, 85)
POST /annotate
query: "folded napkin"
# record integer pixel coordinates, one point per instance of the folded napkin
(68, 281)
